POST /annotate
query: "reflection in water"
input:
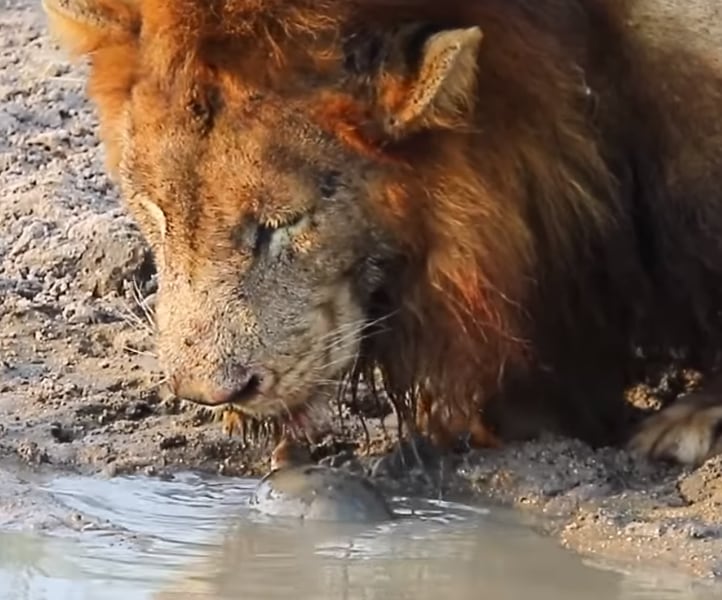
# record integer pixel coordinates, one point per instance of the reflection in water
(194, 538)
(468, 558)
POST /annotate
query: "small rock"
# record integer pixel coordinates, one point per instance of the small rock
(704, 483)
(62, 435)
(138, 411)
(32, 453)
(79, 314)
(642, 529)
(110, 470)
(173, 441)
(697, 530)
(315, 492)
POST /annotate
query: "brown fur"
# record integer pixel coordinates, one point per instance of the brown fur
(548, 207)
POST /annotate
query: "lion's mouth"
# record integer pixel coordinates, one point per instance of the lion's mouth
(257, 404)
(249, 394)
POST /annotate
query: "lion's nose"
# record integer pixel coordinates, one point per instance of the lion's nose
(242, 385)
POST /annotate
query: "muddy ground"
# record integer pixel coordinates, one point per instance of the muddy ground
(79, 388)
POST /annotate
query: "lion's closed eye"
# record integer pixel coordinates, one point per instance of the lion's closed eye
(329, 184)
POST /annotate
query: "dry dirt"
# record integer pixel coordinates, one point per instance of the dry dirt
(79, 388)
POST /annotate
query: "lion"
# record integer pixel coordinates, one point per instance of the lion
(500, 206)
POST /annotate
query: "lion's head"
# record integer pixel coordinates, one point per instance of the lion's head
(310, 178)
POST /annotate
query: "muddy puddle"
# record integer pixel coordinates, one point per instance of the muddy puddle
(72, 537)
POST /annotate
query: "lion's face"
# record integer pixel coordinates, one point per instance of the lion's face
(267, 207)
(266, 252)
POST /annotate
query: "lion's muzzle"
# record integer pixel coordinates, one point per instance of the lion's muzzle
(243, 385)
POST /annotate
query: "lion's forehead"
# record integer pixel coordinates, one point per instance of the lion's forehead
(259, 155)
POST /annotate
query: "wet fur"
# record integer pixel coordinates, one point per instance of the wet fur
(553, 226)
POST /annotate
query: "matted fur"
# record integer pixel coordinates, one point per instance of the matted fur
(559, 219)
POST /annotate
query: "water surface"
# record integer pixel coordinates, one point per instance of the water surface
(73, 538)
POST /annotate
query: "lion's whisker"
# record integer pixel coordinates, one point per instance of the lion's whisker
(130, 318)
(141, 302)
(132, 350)
(354, 326)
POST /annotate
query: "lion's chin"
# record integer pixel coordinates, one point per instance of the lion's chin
(302, 419)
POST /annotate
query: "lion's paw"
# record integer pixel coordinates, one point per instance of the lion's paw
(689, 431)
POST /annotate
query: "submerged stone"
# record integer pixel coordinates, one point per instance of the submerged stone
(297, 488)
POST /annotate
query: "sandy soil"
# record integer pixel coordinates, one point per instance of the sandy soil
(79, 387)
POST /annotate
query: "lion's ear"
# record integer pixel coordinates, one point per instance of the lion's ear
(85, 26)
(441, 91)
